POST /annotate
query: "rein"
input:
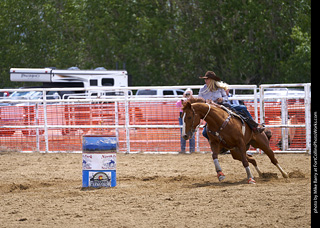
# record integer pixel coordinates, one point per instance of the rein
(194, 113)
(207, 112)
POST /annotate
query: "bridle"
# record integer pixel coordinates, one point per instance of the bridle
(194, 115)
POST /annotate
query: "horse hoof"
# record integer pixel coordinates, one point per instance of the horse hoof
(221, 176)
(251, 181)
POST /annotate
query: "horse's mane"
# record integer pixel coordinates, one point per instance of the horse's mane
(192, 100)
(196, 100)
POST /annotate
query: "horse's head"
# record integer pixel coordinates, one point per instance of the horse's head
(190, 120)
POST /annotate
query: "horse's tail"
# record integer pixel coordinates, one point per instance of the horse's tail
(268, 133)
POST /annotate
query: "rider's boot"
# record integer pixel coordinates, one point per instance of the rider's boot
(256, 128)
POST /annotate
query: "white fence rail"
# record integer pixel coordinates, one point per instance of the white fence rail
(141, 123)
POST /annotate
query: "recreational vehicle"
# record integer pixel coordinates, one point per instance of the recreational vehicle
(73, 77)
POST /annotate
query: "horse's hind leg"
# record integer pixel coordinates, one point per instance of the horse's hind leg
(245, 163)
(254, 163)
(237, 156)
(262, 142)
(240, 154)
(274, 161)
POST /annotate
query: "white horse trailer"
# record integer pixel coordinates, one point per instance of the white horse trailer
(89, 78)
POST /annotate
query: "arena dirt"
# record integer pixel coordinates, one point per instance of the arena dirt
(44, 190)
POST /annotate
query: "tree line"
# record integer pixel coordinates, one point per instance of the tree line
(161, 42)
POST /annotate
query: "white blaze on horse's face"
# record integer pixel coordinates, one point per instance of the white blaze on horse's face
(184, 125)
(190, 121)
(187, 128)
(185, 135)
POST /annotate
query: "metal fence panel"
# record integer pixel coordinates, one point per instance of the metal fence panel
(141, 124)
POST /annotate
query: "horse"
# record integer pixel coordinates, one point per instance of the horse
(226, 130)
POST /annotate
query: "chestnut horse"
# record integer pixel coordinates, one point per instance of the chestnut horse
(225, 130)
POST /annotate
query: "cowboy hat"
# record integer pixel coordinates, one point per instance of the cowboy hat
(212, 75)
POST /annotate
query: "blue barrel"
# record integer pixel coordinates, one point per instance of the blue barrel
(99, 161)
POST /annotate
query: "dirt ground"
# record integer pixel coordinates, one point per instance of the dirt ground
(44, 190)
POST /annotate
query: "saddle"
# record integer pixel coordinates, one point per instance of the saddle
(231, 111)
(227, 107)
(244, 118)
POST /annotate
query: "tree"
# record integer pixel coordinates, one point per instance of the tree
(163, 42)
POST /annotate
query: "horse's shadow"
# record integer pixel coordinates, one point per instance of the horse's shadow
(234, 183)
(218, 184)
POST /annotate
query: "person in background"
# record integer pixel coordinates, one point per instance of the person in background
(235, 102)
(187, 94)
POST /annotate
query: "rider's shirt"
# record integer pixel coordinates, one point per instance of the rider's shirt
(214, 95)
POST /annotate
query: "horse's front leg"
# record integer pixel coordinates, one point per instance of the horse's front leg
(215, 150)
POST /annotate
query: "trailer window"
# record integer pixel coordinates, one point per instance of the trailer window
(147, 92)
(94, 82)
(107, 82)
(168, 92)
(179, 92)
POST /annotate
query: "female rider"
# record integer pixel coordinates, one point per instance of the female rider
(215, 90)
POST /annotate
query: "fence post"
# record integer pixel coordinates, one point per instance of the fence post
(127, 118)
(45, 120)
(116, 119)
(255, 104)
(284, 121)
(261, 88)
(37, 129)
(307, 102)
